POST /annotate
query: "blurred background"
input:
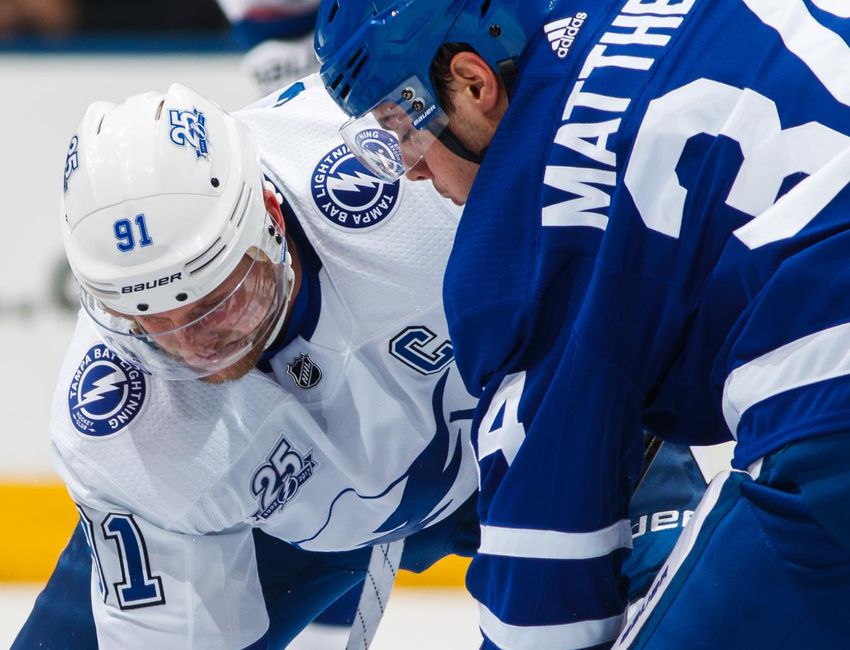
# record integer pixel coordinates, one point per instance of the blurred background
(56, 57)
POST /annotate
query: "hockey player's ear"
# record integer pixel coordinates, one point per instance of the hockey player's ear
(477, 85)
(273, 208)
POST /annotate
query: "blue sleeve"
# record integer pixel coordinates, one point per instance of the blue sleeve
(62, 615)
(786, 372)
(557, 469)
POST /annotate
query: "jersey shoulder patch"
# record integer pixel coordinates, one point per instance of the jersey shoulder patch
(105, 393)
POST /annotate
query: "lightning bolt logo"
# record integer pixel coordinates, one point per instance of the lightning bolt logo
(105, 393)
(347, 193)
(101, 387)
(347, 183)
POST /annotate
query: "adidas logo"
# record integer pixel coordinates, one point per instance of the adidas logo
(562, 33)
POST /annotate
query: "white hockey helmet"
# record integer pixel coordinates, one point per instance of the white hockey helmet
(163, 205)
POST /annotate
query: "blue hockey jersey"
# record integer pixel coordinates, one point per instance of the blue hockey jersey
(657, 237)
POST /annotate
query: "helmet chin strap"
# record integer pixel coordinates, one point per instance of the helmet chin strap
(289, 281)
(452, 143)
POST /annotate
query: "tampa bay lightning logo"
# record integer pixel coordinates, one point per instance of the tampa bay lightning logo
(72, 160)
(188, 128)
(348, 194)
(106, 393)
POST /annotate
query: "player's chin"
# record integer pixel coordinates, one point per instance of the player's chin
(236, 370)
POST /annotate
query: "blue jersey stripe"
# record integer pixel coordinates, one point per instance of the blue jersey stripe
(555, 592)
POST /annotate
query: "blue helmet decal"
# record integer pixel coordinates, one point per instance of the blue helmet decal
(189, 128)
(106, 393)
(72, 160)
(349, 195)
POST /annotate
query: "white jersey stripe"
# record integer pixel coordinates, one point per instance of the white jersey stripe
(567, 636)
(817, 357)
(555, 545)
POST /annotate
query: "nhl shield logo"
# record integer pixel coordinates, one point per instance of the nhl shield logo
(304, 372)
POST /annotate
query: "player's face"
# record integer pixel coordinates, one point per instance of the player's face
(425, 157)
(220, 323)
(474, 107)
(451, 175)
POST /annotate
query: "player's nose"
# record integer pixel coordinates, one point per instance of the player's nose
(420, 172)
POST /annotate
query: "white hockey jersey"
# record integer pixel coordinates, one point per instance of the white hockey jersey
(359, 434)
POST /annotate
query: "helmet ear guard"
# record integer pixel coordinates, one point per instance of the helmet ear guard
(273, 201)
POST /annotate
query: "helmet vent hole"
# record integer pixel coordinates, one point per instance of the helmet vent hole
(209, 261)
(100, 124)
(242, 208)
(336, 82)
(485, 7)
(354, 58)
(159, 111)
(345, 90)
(238, 205)
(201, 260)
(359, 67)
(332, 12)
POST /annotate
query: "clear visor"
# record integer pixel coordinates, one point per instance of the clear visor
(214, 335)
(410, 113)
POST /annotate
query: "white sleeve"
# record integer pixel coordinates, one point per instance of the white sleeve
(157, 589)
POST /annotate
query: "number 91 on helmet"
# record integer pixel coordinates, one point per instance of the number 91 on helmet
(175, 241)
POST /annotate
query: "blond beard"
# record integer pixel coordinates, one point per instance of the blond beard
(239, 369)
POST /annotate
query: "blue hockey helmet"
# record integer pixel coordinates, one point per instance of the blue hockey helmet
(376, 56)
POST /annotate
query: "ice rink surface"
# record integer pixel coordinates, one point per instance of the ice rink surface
(416, 619)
